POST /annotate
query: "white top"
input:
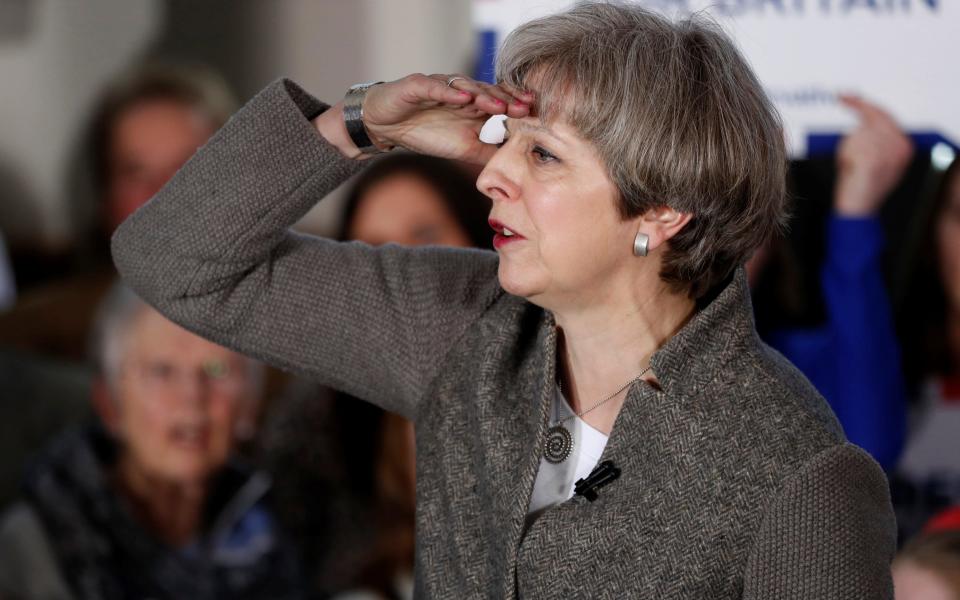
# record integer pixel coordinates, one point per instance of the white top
(927, 477)
(933, 445)
(555, 483)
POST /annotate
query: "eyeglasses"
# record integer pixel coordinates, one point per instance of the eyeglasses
(214, 375)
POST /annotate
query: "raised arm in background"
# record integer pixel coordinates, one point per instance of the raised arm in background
(854, 359)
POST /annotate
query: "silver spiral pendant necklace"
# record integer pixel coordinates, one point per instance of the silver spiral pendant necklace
(558, 445)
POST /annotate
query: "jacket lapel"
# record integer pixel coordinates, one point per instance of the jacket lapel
(515, 428)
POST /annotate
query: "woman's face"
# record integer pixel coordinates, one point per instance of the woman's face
(405, 210)
(948, 245)
(148, 142)
(177, 401)
(550, 189)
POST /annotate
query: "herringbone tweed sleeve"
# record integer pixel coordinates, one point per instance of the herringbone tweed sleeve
(829, 535)
(212, 251)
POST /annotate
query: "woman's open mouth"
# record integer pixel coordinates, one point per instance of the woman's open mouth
(503, 235)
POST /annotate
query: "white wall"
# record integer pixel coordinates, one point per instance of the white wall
(48, 80)
(327, 46)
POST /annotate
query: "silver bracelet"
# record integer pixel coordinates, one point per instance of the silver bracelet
(353, 118)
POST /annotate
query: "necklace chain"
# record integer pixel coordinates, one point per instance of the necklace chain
(605, 400)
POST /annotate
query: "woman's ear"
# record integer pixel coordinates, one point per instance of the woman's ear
(661, 224)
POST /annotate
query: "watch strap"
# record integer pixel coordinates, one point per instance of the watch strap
(353, 118)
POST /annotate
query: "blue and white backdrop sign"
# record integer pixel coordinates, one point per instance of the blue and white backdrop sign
(901, 54)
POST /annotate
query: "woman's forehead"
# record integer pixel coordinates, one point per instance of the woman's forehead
(555, 90)
(556, 128)
(525, 124)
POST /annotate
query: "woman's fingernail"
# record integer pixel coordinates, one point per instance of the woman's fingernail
(499, 101)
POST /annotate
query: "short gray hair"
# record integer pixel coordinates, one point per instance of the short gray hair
(116, 316)
(678, 119)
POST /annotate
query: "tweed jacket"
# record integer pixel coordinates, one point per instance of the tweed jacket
(736, 481)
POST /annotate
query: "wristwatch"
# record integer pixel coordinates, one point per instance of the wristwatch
(353, 118)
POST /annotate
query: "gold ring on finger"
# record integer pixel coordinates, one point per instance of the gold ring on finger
(453, 78)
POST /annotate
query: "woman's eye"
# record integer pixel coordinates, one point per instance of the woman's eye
(542, 154)
(158, 371)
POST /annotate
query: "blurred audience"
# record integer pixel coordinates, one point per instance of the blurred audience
(853, 359)
(146, 126)
(347, 455)
(147, 502)
(416, 200)
(150, 500)
(928, 476)
(928, 568)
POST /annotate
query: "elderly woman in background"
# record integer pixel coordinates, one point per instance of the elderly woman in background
(149, 505)
(145, 126)
(595, 415)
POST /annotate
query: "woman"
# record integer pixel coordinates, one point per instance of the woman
(145, 126)
(927, 478)
(416, 200)
(637, 177)
(150, 502)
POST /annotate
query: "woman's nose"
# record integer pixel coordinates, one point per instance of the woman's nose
(495, 181)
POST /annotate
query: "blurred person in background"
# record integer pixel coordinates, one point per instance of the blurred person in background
(146, 125)
(416, 200)
(928, 567)
(351, 503)
(148, 503)
(927, 478)
(853, 359)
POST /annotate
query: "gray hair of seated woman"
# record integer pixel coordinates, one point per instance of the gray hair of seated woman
(116, 316)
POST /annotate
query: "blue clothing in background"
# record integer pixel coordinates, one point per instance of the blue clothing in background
(854, 359)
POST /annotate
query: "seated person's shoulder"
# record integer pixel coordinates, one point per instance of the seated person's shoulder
(20, 526)
(25, 548)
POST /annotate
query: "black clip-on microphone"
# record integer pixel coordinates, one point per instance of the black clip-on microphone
(600, 476)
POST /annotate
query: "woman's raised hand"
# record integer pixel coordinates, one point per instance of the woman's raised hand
(428, 115)
(871, 159)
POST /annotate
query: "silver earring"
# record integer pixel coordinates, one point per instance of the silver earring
(641, 244)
